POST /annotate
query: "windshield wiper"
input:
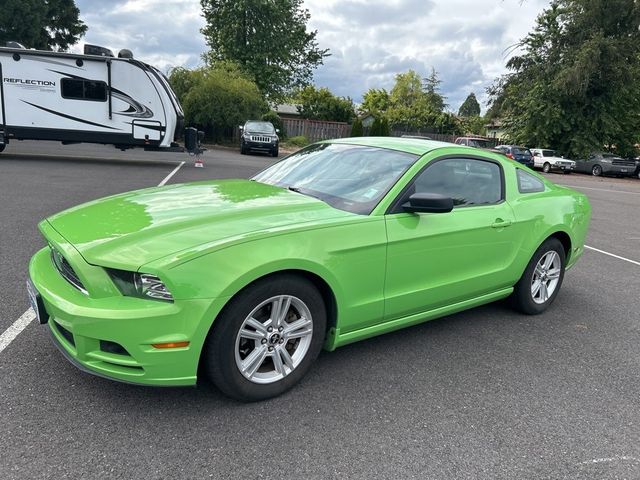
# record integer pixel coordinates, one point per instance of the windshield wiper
(303, 191)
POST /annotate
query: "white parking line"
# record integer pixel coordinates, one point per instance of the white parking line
(14, 330)
(168, 177)
(612, 255)
(27, 317)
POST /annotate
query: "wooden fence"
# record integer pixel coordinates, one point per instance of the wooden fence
(315, 130)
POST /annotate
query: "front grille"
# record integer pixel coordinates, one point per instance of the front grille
(260, 138)
(66, 270)
(624, 163)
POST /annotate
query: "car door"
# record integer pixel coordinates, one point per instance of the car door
(538, 161)
(439, 259)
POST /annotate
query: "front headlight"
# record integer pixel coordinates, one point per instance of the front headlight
(141, 285)
(606, 160)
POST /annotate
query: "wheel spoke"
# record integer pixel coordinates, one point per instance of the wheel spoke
(253, 361)
(288, 361)
(553, 274)
(277, 362)
(292, 328)
(535, 288)
(544, 292)
(279, 310)
(251, 334)
(259, 326)
(539, 271)
(548, 261)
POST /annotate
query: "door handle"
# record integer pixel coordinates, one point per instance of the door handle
(500, 223)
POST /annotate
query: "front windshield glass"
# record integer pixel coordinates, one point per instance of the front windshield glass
(349, 177)
(259, 127)
(548, 153)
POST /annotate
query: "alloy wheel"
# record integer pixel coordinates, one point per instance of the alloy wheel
(545, 277)
(273, 339)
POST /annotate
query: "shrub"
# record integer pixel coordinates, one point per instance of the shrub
(299, 141)
(357, 130)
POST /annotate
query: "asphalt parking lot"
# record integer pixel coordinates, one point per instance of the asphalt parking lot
(487, 393)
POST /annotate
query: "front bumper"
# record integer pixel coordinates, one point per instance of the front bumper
(563, 168)
(86, 330)
(260, 146)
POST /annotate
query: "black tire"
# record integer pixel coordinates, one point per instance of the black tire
(596, 171)
(522, 298)
(274, 152)
(219, 356)
(243, 150)
(546, 168)
(2, 147)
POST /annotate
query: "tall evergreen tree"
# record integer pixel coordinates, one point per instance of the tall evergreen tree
(41, 24)
(470, 107)
(268, 38)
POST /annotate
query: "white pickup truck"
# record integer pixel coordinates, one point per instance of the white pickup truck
(547, 160)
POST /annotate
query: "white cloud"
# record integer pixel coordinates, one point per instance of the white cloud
(370, 40)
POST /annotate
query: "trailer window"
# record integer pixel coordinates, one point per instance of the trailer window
(79, 89)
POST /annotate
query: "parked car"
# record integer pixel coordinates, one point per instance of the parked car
(602, 163)
(245, 281)
(520, 154)
(473, 142)
(259, 136)
(548, 160)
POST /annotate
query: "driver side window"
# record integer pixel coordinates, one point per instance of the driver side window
(466, 181)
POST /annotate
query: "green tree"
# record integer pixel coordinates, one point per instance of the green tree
(218, 99)
(414, 104)
(576, 79)
(470, 107)
(357, 130)
(320, 104)
(375, 101)
(41, 24)
(380, 127)
(268, 38)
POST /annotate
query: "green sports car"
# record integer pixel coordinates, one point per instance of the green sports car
(245, 281)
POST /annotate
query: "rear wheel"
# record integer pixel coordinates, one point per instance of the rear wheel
(541, 280)
(546, 168)
(596, 171)
(2, 147)
(266, 339)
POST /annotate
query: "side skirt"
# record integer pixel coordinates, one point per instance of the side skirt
(336, 339)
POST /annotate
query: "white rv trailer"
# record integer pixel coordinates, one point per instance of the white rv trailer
(92, 98)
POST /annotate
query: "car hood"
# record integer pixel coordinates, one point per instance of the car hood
(129, 230)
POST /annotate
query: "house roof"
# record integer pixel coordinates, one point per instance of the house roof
(287, 109)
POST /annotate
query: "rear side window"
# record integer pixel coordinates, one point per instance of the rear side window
(528, 183)
(79, 89)
(466, 181)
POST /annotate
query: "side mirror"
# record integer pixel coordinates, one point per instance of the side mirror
(241, 127)
(428, 203)
(277, 130)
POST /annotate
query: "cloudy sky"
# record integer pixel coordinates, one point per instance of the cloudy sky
(370, 40)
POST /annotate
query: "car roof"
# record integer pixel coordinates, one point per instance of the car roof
(408, 145)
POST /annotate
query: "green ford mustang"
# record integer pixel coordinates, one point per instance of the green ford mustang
(247, 280)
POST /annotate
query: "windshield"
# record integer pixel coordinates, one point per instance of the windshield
(259, 127)
(521, 151)
(548, 153)
(349, 177)
(478, 143)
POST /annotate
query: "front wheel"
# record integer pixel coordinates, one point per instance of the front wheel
(546, 168)
(541, 280)
(596, 171)
(274, 152)
(266, 338)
